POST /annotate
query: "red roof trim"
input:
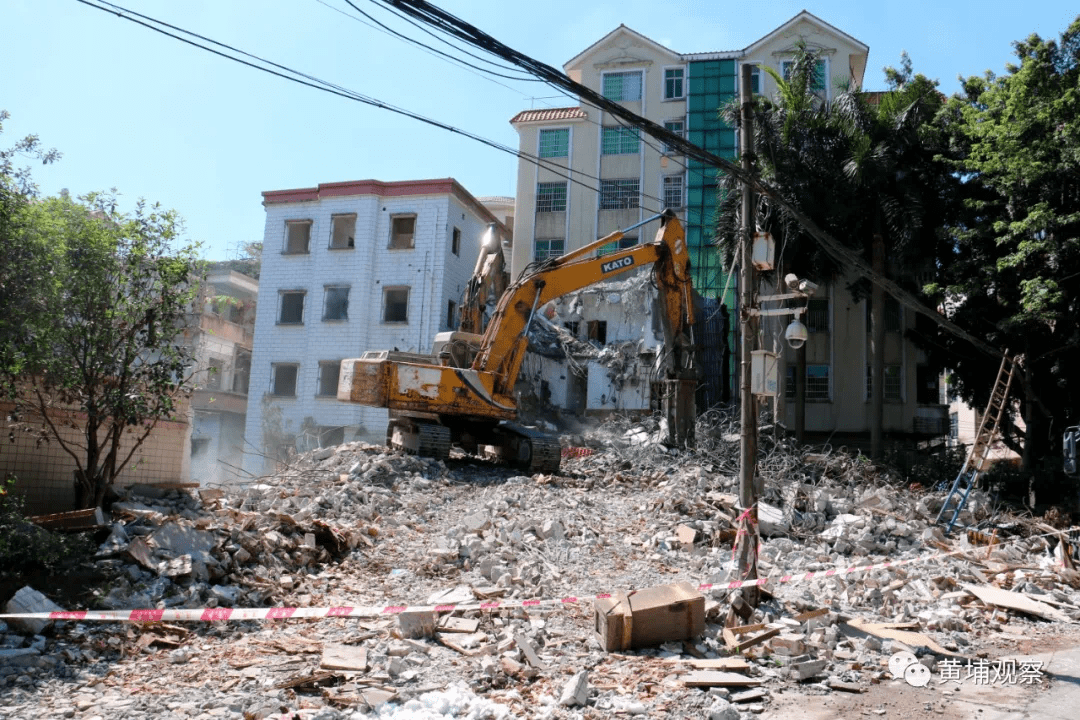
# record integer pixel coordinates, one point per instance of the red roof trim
(565, 113)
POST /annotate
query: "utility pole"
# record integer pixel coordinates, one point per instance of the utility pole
(746, 541)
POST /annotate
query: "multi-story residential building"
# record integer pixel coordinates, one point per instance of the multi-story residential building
(223, 367)
(349, 267)
(595, 176)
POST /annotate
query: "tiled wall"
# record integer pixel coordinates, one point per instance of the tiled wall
(45, 472)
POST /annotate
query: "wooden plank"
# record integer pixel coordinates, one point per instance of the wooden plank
(908, 637)
(1016, 601)
(73, 521)
(746, 629)
(756, 639)
(344, 657)
(715, 678)
(452, 624)
(803, 617)
(735, 664)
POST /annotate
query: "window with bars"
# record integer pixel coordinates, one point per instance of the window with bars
(455, 241)
(554, 143)
(329, 370)
(673, 191)
(342, 231)
(623, 243)
(817, 383)
(675, 126)
(544, 249)
(817, 315)
(673, 83)
(551, 197)
(622, 86)
(954, 426)
(619, 141)
(241, 371)
(619, 194)
(893, 382)
(893, 315)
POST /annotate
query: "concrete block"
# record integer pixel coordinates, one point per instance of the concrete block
(416, 624)
(29, 600)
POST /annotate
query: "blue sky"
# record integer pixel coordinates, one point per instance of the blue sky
(154, 118)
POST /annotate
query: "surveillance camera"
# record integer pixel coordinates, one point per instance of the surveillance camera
(807, 287)
(792, 282)
(796, 334)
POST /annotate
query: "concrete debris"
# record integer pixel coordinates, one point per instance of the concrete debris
(358, 525)
(29, 600)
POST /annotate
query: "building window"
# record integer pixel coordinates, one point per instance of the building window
(893, 315)
(622, 86)
(817, 383)
(817, 83)
(455, 241)
(396, 305)
(597, 330)
(337, 303)
(817, 315)
(551, 197)
(755, 79)
(451, 313)
(544, 249)
(673, 191)
(677, 127)
(789, 382)
(241, 371)
(343, 231)
(673, 83)
(954, 426)
(893, 384)
(619, 194)
(619, 141)
(626, 241)
(297, 235)
(402, 232)
(292, 308)
(554, 143)
(215, 369)
(329, 371)
(284, 379)
(573, 327)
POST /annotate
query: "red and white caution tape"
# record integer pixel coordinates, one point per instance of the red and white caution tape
(283, 613)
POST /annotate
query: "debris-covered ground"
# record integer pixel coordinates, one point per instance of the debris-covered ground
(357, 525)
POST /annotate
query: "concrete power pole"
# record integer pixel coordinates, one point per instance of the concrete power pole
(747, 540)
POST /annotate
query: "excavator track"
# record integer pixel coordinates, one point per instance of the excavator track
(425, 439)
(546, 456)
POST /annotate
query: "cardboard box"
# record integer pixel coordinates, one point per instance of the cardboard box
(649, 617)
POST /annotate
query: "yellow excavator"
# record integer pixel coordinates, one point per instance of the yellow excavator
(463, 393)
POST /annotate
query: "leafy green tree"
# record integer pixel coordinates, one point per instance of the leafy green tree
(1012, 274)
(116, 357)
(867, 172)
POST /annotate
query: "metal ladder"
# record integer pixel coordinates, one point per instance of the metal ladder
(976, 458)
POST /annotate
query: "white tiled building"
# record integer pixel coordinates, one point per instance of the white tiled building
(349, 267)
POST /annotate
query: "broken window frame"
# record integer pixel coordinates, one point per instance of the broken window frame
(387, 305)
(325, 367)
(400, 239)
(283, 299)
(343, 231)
(297, 237)
(342, 303)
(279, 379)
(596, 330)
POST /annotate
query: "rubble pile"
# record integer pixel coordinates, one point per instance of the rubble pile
(358, 525)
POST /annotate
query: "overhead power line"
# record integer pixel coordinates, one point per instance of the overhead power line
(287, 73)
(455, 27)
